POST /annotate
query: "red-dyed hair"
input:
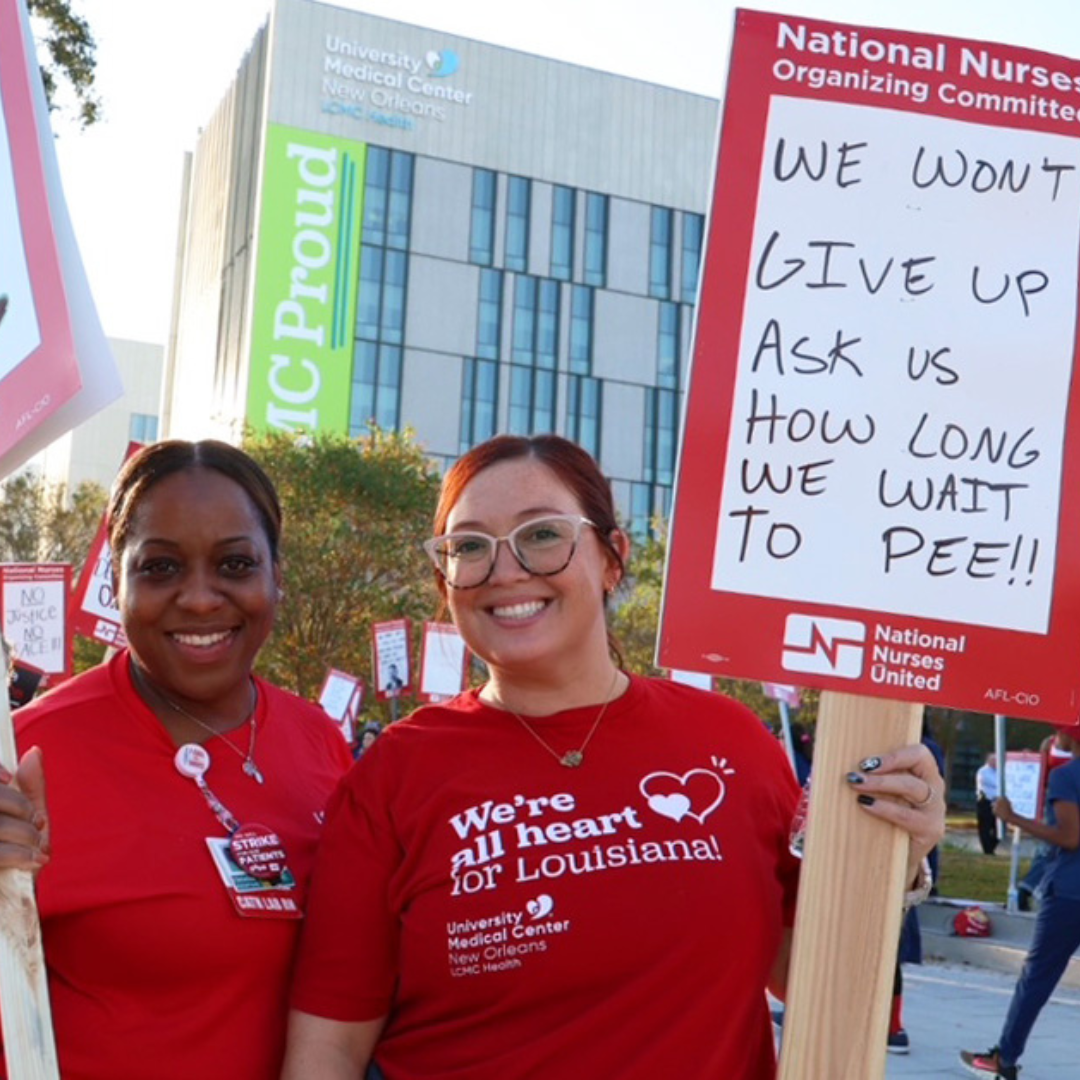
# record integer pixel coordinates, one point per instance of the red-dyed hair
(574, 467)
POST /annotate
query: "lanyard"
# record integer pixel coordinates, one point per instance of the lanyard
(192, 761)
(255, 849)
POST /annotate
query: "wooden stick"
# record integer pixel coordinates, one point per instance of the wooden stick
(29, 1045)
(847, 927)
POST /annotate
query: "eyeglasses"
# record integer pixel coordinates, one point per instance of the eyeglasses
(543, 546)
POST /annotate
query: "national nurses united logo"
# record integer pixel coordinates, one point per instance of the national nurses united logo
(815, 645)
(694, 794)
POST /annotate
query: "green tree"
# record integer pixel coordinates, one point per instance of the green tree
(356, 512)
(635, 621)
(40, 524)
(635, 614)
(68, 54)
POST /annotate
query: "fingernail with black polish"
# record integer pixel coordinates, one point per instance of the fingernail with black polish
(855, 778)
(870, 764)
(865, 800)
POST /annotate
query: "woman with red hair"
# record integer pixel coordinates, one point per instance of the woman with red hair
(570, 871)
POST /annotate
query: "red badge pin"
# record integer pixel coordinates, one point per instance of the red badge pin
(257, 850)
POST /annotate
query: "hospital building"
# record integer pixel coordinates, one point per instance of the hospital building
(388, 223)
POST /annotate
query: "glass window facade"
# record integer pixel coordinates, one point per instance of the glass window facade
(693, 236)
(647, 503)
(523, 342)
(543, 414)
(583, 412)
(383, 290)
(518, 208)
(667, 347)
(376, 194)
(399, 201)
(563, 212)
(660, 228)
(376, 387)
(547, 323)
(142, 428)
(581, 330)
(482, 227)
(489, 315)
(661, 435)
(519, 416)
(532, 400)
(479, 401)
(596, 239)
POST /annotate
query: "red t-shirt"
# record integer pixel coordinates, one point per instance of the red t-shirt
(518, 918)
(151, 970)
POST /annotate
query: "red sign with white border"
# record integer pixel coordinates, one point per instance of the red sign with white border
(879, 486)
(96, 610)
(341, 696)
(56, 367)
(34, 600)
(391, 646)
(444, 662)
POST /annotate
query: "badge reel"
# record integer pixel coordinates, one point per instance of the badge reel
(192, 761)
(255, 849)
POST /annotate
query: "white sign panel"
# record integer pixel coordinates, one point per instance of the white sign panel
(880, 453)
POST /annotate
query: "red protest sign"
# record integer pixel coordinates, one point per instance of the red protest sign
(879, 481)
(56, 368)
(444, 662)
(391, 646)
(96, 611)
(34, 615)
(341, 696)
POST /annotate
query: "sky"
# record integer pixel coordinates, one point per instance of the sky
(162, 69)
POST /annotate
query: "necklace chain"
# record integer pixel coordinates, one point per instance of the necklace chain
(572, 758)
(249, 766)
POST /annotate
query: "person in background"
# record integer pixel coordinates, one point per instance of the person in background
(367, 738)
(1051, 755)
(986, 791)
(185, 793)
(1057, 926)
(930, 742)
(910, 950)
(803, 746)
(569, 871)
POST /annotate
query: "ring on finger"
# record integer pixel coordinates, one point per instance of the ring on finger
(926, 798)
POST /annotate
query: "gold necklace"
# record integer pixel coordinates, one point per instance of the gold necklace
(249, 766)
(572, 758)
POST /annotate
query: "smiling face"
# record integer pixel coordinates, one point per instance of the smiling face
(523, 625)
(198, 589)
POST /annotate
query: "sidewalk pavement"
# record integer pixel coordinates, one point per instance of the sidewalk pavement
(951, 1007)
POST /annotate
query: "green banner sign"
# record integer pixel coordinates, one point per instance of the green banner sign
(306, 282)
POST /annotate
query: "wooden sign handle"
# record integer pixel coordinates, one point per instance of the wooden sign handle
(29, 1045)
(847, 926)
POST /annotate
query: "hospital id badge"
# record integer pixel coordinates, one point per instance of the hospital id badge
(252, 898)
